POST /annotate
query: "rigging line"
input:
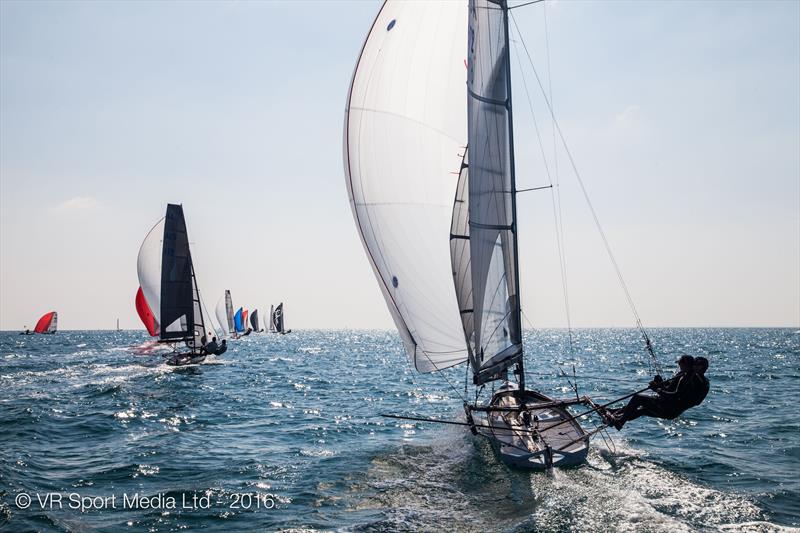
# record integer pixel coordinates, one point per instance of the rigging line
(595, 217)
(560, 218)
(556, 212)
(525, 4)
(440, 373)
(535, 188)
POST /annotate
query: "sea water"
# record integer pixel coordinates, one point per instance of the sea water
(285, 432)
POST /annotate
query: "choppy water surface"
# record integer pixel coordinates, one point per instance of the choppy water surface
(296, 417)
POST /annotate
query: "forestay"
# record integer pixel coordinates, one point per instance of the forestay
(484, 255)
(404, 137)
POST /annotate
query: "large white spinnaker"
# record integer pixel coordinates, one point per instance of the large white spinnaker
(404, 135)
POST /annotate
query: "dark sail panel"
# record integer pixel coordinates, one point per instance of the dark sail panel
(277, 318)
(177, 289)
(254, 320)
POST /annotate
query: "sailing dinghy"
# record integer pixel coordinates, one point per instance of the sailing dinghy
(272, 319)
(278, 322)
(169, 288)
(254, 322)
(48, 324)
(224, 313)
(429, 168)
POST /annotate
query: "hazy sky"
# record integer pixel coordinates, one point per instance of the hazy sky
(683, 118)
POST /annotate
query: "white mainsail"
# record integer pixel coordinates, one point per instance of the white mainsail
(404, 137)
(484, 255)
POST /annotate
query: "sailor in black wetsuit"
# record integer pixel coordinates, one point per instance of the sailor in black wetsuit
(698, 384)
(223, 348)
(671, 397)
(212, 346)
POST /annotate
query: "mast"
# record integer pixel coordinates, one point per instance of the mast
(520, 370)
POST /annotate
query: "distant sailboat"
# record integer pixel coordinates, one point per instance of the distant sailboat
(48, 324)
(278, 319)
(169, 288)
(225, 315)
(434, 214)
(272, 319)
(238, 323)
(254, 321)
(118, 325)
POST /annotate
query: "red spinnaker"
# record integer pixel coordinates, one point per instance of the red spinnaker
(44, 323)
(145, 314)
(244, 320)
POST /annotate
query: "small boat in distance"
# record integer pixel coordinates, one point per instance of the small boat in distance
(254, 322)
(225, 314)
(169, 289)
(47, 325)
(277, 320)
(245, 316)
(240, 323)
(272, 319)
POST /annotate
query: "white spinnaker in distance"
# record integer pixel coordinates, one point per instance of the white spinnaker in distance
(404, 135)
(222, 316)
(148, 267)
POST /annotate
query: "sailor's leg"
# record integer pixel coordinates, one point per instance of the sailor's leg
(650, 406)
(633, 406)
